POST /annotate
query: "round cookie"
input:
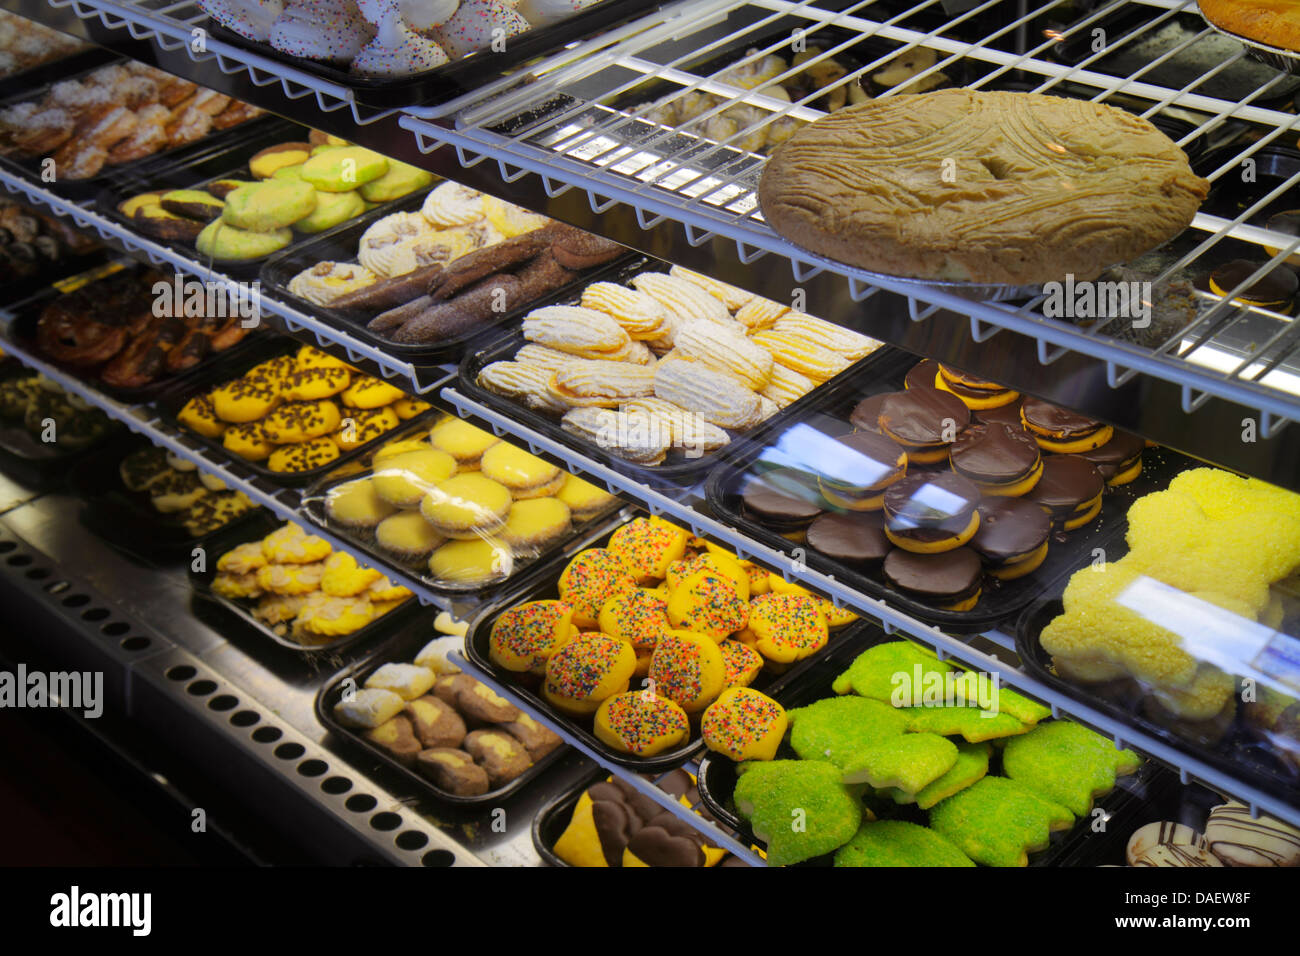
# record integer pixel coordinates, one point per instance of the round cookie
(407, 536)
(534, 523)
(1003, 461)
(647, 546)
(584, 499)
(1178, 855)
(951, 580)
(471, 562)
(314, 383)
(925, 421)
(248, 441)
(1061, 430)
(590, 579)
(368, 392)
(716, 562)
(744, 724)
(786, 627)
(404, 478)
(304, 456)
(930, 512)
(525, 637)
(361, 425)
(1012, 538)
(586, 671)
(199, 415)
(466, 506)
(688, 668)
(463, 441)
(638, 616)
(742, 662)
(293, 422)
(1070, 491)
(244, 400)
(356, 504)
(1147, 838)
(641, 723)
(524, 474)
(855, 539)
(289, 544)
(707, 603)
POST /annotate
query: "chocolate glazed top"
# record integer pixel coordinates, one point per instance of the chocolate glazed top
(1057, 420)
(921, 375)
(866, 414)
(1116, 455)
(921, 415)
(1008, 414)
(952, 574)
(854, 538)
(768, 503)
(1279, 284)
(865, 460)
(930, 499)
(995, 453)
(1009, 528)
(976, 386)
(1067, 483)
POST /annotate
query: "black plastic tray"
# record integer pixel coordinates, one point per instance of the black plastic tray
(541, 586)
(227, 160)
(677, 471)
(716, 779)
(23, 331)
(884, 371)
(79, 189)
(402, 649)
(459, 76)
(125, 518)
(414, 573)
(1241, 753)
(340, 245)
(1233, 83)
(170, 402)
(263, 524)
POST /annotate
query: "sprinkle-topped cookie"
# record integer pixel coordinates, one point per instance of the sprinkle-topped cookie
(647, 547)
(707, 603)
(744, 724)
(641, 723)
(787, 627)
(638, 616)
(591, 579)
(742, 663)
(585, 671)
(687, 668)
(525, 637)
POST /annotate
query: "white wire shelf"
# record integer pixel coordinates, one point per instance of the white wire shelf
(892, 620)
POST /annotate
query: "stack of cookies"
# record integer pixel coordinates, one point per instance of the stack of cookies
(678, 361)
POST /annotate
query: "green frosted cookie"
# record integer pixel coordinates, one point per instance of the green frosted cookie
(998, 822)
(1017, 705)
(972, 764)
(1068, 763)
(869, 742)
(898, 843)
(971, 723)
(799, 808)
(878, 671)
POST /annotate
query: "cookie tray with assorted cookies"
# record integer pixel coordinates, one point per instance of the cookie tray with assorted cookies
(285, 602)
(451, 736)
(641, 655)
(341, 245)
(776, 488)
(1123, 781)
(327, 411)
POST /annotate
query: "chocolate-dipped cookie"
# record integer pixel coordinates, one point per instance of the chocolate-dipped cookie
(1003, 414)
(1012, 538)
(1273, 290)
(855, 539)
(950, 581)
(773, 500)
(921, 374)
(975, 392)
(1119, 460)
(858, 468)
(924, 421)
(1069, 491)
(931, 512)
(865, 416)
(1060, 429)
(1002, 460)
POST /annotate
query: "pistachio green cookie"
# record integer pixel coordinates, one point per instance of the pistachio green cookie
(400, 180)
(269, 205)
(343, 168)
(898, 843)
(973, 724)
(878, 671)
(972, 765)
(1019, 706)
(798, 807)
(1068, 763)
(869, 742)
(999, 822)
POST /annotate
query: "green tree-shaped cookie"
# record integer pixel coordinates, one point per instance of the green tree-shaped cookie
(1067, 762)
(876, 672)
(972, 764)
(998, 822)
(869, 742)
(898, 843)
(971, 723)
(799, 808)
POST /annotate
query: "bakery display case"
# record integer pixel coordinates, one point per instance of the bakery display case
(619, 416)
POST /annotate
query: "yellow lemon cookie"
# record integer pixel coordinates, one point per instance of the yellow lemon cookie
(276, 609)
(523, 473)
(534, 523)
(343, 577)
(463, 441)
(587, 670)
(403, 479)
(295, 422)
(407, 407)
(290, 544)
(248, 441)
(707, 603)
(638, 616)
(328, 616)
(466, 506)
(369, 392)
(744, 724)
(679, 571)
(291, 578)
(361, 425)
(590, 579)
(303, 456)
(398, 446)
(787, 627)
(356, 504)
(688, 668)
(236, 586)
(475, 561)
(199, 415)
(311, 357)
(407, 536)
(384, 591)
(526, 636)
(641, 723)
(743, 663)
(584, 499)
(314, 383)
(243, 558)
(648, 548)
(244, 400)
(273, 371)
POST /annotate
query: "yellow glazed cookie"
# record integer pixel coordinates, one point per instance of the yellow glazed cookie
(744, 725)
(361, 425)
(688, 668)
(516, 469)
(311, 357)
(786, 627)
(343, 577)
(638, 616)
(408, 536)
(273, 371)
(384, 591)
(463, 441)
(200, 416)
(466, 505)
(243, 558)
(584, 499)
(403, 479)
(356, 504)
(304, 456)
(407, 408)
(648, 547)
(328, 616)
(290, 544)
(314, 383)
(590, 579)
(641, 723)
(248, 441)
(526, 636)
(369, 392)
(534, 523)
(244, 400)
(707, 603)
(236, 586)
(587, 670)
(295, 422)
(474, 561)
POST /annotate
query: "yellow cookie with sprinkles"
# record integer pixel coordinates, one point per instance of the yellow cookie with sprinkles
(743, 663)
(641, 723)
(587, 670)
(295, 422)
(787, 627)
(367, 391)
(248, 441)
(244, 400)
(304, 456)
(311, 357)
(362, 425)
(315, 383)
(707, 603)
(638, 616)
(744, 724)
(525, 637)
(590, 579)
(199, 415)
(688, 668)
(407, 407)
(648, 547)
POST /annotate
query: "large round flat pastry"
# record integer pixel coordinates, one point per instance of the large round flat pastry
(985, 187)
(1273, 22)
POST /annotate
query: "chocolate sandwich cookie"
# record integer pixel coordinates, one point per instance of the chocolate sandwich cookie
(1069, 491)
(931, 512)
(1002, 460)
(1004, 414)
(924, 421)
(975, 393)
(866, 414)
(855, 539)
(1119, 460)
(1012, 537)
(773, 500)
(1273, 290)
(858, 468)
(950, 581)
(921, 375)
(1060, 429)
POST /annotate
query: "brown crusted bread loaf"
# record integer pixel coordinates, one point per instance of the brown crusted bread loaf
(1275, 22)
(976, 186)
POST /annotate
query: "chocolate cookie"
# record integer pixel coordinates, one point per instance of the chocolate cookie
(1119, 460)
(1069, 491)
(921, 374)
(931, 511)
(1061, 429)
(855, 538)
(1012, 536)
(999, 458)
(924, 420)
(765, 500)
(859, 468)
(1274, 290)
(950, 581)
(866, 414)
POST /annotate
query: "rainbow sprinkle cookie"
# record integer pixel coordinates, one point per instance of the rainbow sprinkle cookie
(800, 808)
(585, 671)
(592, 578)
(639, 617)
(641, 723)
(648, 547)
(525, 637)
(998, 822)
(898, 843)
(787, 627)
(707, 603)
(744, 725)
(687, 667)
(1068, 763)
(742, 662)
(869, 742)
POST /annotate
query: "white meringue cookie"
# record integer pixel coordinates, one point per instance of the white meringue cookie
(330, 30)
(477, 23)
(251, 19)
(398, 51)
(422, 15)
